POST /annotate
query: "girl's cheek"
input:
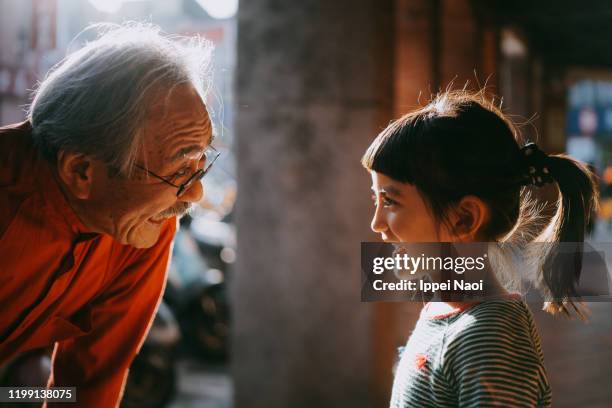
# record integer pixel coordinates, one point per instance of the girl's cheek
(411, 228)
(399, 227)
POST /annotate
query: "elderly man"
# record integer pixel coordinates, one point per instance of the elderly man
(114, 148)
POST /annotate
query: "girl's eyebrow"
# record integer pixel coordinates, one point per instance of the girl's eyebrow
(390, 190)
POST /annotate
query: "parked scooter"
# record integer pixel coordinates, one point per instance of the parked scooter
(193, 319)
(151, 382)
(197, 293)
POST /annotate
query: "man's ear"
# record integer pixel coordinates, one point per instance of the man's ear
(469, 217)
(75, 170)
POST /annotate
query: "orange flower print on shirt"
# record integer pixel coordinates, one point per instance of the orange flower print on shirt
(420, 361)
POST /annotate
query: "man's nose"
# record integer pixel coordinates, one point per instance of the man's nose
(194, 193)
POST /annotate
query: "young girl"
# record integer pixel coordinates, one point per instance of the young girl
(454, 171)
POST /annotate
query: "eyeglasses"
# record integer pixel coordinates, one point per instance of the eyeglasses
(211, 154)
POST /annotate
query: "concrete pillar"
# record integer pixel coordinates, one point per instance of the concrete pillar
(314, 86)
(469, 45)
(439, 42)
(416, 53)
(460, 43)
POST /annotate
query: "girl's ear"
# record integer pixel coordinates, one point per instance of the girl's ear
(468, 218)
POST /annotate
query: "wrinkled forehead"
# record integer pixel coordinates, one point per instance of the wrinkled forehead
(181, 109)
(174, 119)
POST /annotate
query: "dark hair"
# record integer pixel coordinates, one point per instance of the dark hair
(461, 144)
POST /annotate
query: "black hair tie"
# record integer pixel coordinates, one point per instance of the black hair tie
(536, 166)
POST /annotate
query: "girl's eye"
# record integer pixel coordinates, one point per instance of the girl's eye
(387, 202)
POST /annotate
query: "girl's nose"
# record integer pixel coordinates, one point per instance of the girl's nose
(378, 224)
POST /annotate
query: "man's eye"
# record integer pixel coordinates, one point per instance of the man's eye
(180, 173)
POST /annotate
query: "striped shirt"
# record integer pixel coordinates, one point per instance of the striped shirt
(486, 355)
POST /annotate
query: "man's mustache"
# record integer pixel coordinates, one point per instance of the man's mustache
(178, 210)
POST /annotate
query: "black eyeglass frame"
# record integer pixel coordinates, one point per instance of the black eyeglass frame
(197, 176)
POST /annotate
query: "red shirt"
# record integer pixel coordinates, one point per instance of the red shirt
(91, 296)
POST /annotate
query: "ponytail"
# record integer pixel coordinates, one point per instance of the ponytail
(578, 197)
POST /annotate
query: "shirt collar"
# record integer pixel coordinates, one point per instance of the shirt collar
(427, 312)
(56, 199)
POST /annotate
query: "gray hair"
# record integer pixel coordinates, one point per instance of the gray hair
(95, 100)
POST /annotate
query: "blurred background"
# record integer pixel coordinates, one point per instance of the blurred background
(262, 307)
